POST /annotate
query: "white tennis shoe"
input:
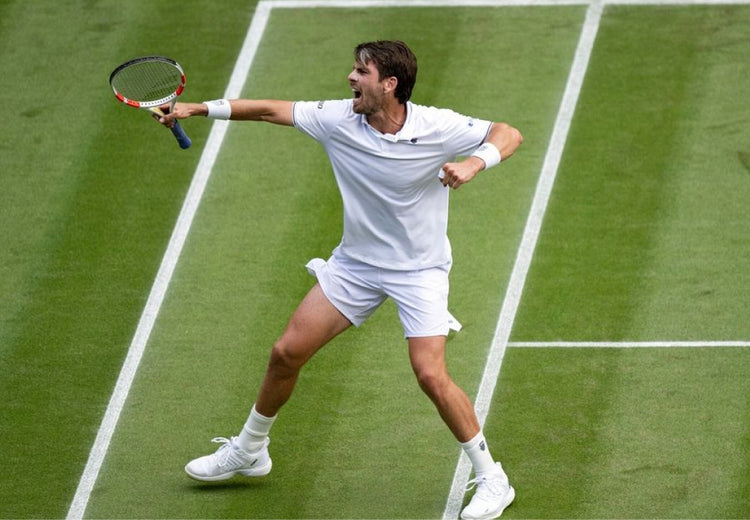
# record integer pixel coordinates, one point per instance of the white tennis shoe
(230, 460)
(493, 495)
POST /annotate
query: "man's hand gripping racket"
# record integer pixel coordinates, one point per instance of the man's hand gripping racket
(149, 83)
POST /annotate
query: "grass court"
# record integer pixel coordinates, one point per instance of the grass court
(602, 274)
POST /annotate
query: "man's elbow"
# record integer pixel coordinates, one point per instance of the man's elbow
(513, 135)
(510, 137)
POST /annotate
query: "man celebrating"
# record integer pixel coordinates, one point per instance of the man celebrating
(393, 162)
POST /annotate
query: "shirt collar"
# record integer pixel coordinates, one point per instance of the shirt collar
(405, 134)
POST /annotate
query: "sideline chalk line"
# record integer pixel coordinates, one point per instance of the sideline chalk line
(629, 344)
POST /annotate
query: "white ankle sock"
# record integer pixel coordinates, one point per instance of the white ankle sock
(254, 433)
(479, 455)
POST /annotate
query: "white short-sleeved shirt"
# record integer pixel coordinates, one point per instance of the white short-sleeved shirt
(395, 208)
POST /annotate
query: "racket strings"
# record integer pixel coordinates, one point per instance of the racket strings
(148, 81)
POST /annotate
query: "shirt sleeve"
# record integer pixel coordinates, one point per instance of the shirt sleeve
(319, 118)
(461, 134)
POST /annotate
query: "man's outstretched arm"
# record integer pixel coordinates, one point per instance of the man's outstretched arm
(270, 110)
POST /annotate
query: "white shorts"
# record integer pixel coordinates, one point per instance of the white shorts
(357, 289)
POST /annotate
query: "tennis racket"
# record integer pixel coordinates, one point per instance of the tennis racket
(150, 82)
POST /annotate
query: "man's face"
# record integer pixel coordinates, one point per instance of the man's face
(369, 91)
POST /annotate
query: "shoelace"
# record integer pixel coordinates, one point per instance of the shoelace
(222, 454)
(486, 487)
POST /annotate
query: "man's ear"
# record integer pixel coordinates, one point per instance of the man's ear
(390, 84)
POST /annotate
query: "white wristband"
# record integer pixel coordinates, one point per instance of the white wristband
(489, 154)
(218, 109)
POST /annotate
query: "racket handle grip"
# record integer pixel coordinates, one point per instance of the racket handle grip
(179, 134)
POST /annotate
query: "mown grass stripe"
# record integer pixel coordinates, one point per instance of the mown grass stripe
(528, 244)
(164, 275)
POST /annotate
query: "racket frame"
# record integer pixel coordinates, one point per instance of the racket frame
(153, 106)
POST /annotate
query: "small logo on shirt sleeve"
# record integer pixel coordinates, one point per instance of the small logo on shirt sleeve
(320, 105)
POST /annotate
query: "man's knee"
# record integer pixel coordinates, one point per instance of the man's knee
(433, 381)
(284, 358)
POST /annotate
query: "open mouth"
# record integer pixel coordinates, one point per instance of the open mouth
(357, 94)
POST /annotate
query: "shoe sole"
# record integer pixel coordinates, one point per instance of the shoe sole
(509, 497)
(253, 472)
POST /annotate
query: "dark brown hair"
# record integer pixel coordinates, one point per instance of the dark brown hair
(391, 58)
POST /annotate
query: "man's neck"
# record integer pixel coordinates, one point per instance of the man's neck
(390, 119)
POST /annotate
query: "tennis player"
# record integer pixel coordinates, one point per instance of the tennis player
(395, 163)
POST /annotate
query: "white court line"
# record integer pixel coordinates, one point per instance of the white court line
(364, 4)
(627, 344)
(164, 275)
(528, 244)
(675, 2)
(197, 187)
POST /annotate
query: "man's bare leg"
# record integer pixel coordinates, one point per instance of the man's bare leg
(315, 322)
(427, 357)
